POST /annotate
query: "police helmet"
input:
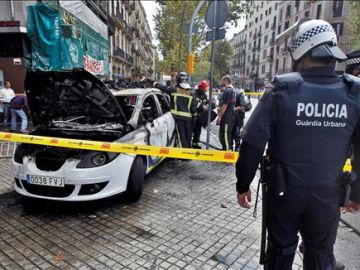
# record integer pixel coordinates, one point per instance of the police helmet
(182, 80)
(316, 38)
(353, 62)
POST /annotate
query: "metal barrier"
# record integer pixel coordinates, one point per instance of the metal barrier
(7, 149)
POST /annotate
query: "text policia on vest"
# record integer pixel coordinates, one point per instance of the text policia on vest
(328, 113)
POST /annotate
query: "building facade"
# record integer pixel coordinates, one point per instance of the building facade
(335, 12)
(263, 58)
(132, 52)
(238, 44)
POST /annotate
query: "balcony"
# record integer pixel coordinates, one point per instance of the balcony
(259, 34)
(268, 74)
(270, 58)
(119, 19)
(119, 53)
(283, 51)
(254, 62)
(253, 49)
(258, 48)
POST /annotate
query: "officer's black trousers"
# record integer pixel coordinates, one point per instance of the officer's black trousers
(225, 134)
(239, 122)
(312, 212)
(197, 130)
(184, 129)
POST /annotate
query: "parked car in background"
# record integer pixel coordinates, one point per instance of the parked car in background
(75, 104)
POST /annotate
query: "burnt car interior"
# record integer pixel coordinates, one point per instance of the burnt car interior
(128, 104)
(149, 111)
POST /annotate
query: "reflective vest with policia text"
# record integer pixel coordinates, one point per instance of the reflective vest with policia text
(183, 104)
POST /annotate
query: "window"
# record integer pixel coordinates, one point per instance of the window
(267, 25)
(276, 6)
(276, 65)
(263, 69)
(307, 14)
(284, 64)
(279, 29)
(269, 11)
(265, 39)
(248, 58)
(256, 20)
(318, 12)
(280, 16)
(296, 18)
(249, 46)
(260, 17)
(297, 4)
(288, 11)
(266, 12)
(337, 8)
(164, 103)
(149, 110)
(264, 54)
(338, 28)
(286, 25)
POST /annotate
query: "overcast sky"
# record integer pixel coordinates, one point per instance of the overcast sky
(150, 9)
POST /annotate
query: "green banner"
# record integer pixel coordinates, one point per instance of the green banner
(59, 41)
(44, 34)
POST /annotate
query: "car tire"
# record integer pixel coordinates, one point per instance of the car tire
(135, 183)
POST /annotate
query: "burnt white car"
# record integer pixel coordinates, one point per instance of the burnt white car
(75, 104)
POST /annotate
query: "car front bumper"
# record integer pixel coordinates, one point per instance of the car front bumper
(112, 178)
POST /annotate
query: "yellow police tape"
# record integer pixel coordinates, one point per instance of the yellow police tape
(166, 152)
(159, 151)
(254, 93)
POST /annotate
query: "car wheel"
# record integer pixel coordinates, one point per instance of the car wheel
(135, 184)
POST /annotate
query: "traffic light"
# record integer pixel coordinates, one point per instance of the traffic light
(190, 62)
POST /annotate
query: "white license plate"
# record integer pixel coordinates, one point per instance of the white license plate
(45, 181)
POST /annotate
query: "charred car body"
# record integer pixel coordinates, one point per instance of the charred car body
(75, 104)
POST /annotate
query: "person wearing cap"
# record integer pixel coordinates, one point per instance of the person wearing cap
(301, 119)
(183, 107)
(226, 116)
(353, 63)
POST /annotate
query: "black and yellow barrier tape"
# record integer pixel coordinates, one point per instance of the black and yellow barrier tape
(147, 150)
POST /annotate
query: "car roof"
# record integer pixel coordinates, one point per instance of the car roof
(134, 91)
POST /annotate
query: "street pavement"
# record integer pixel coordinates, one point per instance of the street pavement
(187, 218)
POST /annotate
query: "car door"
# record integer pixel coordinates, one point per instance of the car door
(164, 101)
(156, 126)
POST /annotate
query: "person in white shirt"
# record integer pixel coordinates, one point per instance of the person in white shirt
(6, 95)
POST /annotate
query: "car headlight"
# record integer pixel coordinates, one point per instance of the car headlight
(96, 159)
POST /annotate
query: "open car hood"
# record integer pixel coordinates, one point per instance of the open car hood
(62, 94)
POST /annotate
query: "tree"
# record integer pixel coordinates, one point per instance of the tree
(170, 29)
(222, 58)
(354, 22)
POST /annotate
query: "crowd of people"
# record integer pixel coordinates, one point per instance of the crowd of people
(190, 109)
(14, 107)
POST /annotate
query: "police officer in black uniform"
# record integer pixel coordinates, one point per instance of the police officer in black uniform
(183, 107)
(302, 119)
(226, 117)
(240, 108)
